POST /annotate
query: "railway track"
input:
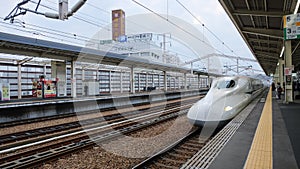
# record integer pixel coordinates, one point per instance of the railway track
(195, 151)
(25, 137)
(175, 155)
(59, 116)
(73, 114)
(36, 155)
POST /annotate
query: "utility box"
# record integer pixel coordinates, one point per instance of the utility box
(90, 88)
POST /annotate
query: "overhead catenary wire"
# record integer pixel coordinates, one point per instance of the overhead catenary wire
(209, 30)
(52, 8)
(105, 11)
(142, 26)
(21, 29)
(38, 29)
(81, 13)
(47, 36)
(42, 31)
(75, 36)
(76, 17)
(198, 20)
(176, 25)
(96, 7)
(179, 27)
(20, 10)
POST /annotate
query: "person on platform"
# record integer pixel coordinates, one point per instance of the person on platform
(279, 91)
(273, 86)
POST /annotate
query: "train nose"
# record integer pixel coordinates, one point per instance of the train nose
(201, 109)
(209, 108)
(198, 111)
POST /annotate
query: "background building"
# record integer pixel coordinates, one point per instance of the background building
(118, 24)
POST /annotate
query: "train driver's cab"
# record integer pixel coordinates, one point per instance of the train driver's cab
(225, 84)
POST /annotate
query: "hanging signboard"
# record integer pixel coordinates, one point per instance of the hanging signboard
(291, 26)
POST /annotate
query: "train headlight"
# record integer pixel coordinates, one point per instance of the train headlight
(227, 108)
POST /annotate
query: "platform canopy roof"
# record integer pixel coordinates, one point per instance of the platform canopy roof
(260, 23)
(20, 45)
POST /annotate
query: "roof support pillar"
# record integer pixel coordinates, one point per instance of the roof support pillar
(19, 81)
(110, 82)
(121, 81)
(73, 79)
(159, 81)
(165, 81)
(82, 74)
(97, 74)
(45, 70)
(139, 82)
(146, 81)
(185, 81)
(280, 71)
(288, 78)
(198, 77)
(209, 81)
(85, 86)
(132, 90)
(152, 79)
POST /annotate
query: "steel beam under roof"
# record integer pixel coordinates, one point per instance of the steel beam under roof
(260, 25)
(275, 42)
(259, 13)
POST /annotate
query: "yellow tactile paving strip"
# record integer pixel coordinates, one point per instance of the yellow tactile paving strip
(260, 154)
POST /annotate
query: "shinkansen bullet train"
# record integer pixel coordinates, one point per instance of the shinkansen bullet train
(225, 99)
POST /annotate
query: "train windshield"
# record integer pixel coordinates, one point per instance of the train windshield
(225, 84)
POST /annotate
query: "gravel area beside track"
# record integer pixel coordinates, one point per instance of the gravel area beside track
(26, 127)
(126, 151)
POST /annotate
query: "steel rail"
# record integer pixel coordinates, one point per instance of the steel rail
(66, 149)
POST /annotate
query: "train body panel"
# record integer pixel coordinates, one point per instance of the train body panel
(225, 99)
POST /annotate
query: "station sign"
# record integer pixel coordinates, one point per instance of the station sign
(104, 42)
(122, 38)
(142, 36)
(291, 26)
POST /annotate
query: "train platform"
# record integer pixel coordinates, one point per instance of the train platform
(33, 108)
(57, 100)
(260, 142)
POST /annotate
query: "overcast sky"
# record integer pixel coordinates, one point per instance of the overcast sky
(97, 15)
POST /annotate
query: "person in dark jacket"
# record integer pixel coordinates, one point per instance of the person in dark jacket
(273, 86)
(279, 91)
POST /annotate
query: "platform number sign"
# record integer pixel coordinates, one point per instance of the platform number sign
(291, 26)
